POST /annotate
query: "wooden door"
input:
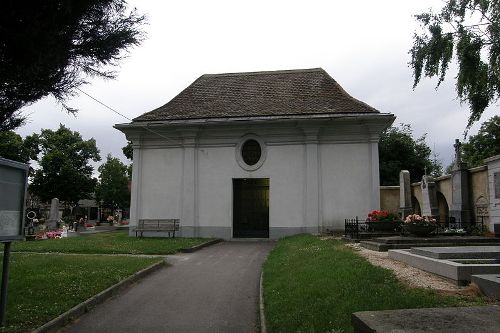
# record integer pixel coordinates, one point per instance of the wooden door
(251, 207)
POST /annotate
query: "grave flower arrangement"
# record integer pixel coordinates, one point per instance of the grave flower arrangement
(382, 215)
(416, 219)
(382, 220)
(420, 226)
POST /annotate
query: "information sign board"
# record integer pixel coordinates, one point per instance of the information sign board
(13, 182)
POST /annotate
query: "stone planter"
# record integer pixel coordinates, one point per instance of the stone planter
(382, 225)
(420, 230)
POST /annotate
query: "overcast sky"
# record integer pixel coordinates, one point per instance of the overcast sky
(362, 44)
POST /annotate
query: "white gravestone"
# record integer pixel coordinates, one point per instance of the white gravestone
(54, 214)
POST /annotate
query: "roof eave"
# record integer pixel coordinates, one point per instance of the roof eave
(200, 121)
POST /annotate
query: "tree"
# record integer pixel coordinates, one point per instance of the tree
(128, 151)
(53, 47)
(112, 187)
(399, 151)
(470, 29)
(484, 144)
(65, 172)
(13, 147)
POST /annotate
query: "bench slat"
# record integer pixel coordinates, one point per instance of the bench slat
(168, 225)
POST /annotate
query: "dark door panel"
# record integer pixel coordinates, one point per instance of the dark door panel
(251, 207)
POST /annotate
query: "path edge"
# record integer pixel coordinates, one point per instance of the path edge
(200, 246)
(84, 307)
(263, 325)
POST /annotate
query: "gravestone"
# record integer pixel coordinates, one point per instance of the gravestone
(429, 197)
(405, 207)
(460, 192)
(54, 214)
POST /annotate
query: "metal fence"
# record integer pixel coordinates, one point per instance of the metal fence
(449, 226)
(456, 226)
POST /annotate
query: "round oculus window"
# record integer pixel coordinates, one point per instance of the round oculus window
(251, 152)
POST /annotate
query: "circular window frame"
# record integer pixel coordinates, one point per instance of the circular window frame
(239, 156)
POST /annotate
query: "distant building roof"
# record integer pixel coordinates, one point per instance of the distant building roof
(276, 93)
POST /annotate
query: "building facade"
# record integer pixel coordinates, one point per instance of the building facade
(263, 155)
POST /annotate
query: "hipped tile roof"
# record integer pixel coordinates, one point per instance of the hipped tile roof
(257, 94)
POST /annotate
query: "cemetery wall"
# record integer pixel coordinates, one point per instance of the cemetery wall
(389, 198)
(494, 189)
(479, 189)
(479, 196)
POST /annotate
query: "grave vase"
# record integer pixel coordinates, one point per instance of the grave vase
(387, 225)
(420, 230)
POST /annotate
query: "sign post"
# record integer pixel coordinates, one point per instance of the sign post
(13, 184)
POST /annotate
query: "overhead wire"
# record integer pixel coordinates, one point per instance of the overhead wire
(121, 114)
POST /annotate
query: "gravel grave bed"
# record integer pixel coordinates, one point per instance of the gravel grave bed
(414, 277)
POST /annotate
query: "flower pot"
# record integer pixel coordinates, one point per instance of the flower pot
(420, 230)
(382, 225)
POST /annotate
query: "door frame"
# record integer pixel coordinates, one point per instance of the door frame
(233, 215)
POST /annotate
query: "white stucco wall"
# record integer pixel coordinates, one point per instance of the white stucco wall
(217, 168)
(320, 173)
(346, 183)
(161, 175)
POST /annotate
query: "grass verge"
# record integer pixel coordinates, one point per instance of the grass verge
(116, 242)
(313, 285)
(41, 287)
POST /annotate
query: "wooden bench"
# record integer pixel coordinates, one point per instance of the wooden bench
(166, 225)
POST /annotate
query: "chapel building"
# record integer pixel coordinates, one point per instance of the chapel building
(260, 155)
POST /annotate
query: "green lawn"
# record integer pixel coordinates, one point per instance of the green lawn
(313, 285)
(116, 242)
(42, 286)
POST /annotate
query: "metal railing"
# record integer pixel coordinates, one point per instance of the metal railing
(456, 226)
(354, 226)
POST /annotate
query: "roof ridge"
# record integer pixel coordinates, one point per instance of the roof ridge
(283, 71)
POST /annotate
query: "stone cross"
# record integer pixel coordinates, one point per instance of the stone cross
(429, 197)
(458, 154)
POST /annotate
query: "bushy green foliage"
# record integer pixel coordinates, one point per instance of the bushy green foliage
(52, 47)
(128, 151)
(112, 186)
(65, 171)
(486, 143)
(470, 29)
(398, 150)
(13, 147)
(314, 285)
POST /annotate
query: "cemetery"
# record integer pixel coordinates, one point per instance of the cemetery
(459, 241)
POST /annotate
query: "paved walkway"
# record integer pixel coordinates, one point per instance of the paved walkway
(212, 290)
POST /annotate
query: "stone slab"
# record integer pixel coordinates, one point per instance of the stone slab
(459, 240)
(459, 252)
(384, 247)
(460, 273)
(445, 320)
(489, 284)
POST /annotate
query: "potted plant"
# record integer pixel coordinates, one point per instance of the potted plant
(382, 220)
(420, 226)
